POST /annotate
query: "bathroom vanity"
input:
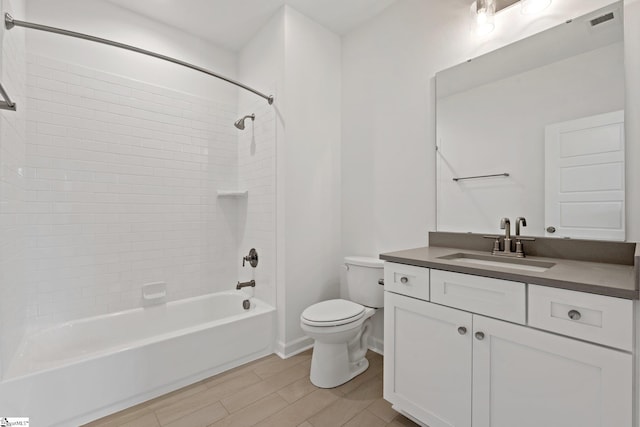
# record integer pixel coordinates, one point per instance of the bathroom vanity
(547, 340)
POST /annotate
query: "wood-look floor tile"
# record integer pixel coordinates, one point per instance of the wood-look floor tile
(148, 420)
(253, 413)
(247, 367)
(201, 417)
(268, 392)
(348, 406)
(402, 421)
(382, 409)
(266, 370)
(297, 389)
(121, 417)
(265, 387)
(176, 396)
(169, 413)
(365, 419)
(300, 410)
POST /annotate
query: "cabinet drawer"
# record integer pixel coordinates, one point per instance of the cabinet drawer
(598, 318)
(407, 280)
(502, 299)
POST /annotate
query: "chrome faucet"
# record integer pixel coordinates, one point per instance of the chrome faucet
(505, 224)
(520, 220)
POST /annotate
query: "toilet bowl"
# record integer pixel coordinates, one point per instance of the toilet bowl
(341, 327)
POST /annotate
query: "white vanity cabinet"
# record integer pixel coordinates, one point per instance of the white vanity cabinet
(451, 367)
(528, 378)
(427, 360)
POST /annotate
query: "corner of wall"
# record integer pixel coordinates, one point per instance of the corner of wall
(13, 243)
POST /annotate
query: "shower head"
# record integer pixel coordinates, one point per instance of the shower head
(240, 122)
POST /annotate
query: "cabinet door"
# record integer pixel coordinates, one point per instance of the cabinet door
(529, 378)
(427, 361)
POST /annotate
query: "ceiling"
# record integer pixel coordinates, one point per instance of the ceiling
(231, 23)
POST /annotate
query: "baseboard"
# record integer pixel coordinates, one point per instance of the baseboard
(294, 347)
(376, 345)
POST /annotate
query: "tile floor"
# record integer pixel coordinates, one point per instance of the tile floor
(268, 392)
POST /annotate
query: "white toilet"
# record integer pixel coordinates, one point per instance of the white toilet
(341, 327)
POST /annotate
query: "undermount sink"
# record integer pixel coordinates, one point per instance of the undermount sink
(496, 261)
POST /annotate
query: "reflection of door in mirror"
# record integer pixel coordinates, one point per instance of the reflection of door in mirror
(492, 113)
(584, 178)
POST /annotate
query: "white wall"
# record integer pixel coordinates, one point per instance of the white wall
(104, 19)
(299, 60)
(312, 168)
(261, 65)
(388, 104)
(13, 292)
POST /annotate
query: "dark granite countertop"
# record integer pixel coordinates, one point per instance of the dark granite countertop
(610, 279)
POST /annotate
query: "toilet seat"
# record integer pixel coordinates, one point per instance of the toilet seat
(333, 312)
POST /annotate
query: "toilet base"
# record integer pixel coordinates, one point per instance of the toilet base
(330, 365)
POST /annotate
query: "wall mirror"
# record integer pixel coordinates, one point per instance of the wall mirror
(544, 118)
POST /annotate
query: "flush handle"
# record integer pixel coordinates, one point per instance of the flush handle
(404, 280)
(574, 315)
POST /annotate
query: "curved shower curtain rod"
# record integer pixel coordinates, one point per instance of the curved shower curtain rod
(9, 23)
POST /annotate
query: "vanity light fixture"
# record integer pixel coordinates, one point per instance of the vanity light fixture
(483, 12)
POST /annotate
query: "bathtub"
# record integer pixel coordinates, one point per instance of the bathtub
(79, 371)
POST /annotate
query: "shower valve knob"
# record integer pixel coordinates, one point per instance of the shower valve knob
(252, 258)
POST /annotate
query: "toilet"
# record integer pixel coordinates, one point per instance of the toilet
(341, 327)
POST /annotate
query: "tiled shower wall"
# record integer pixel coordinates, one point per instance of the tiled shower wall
(13, 293)
(122, 191)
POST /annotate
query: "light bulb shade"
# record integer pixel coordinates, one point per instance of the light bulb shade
(483, 13)
(530, 7)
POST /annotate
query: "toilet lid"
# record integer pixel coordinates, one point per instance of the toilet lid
(334, 312)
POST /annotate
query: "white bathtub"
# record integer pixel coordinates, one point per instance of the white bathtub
(79, 371)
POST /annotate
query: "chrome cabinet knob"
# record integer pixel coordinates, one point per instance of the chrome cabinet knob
(479, 336)
(574, 315)
(404, 280)
(551, 229)
(462, 330)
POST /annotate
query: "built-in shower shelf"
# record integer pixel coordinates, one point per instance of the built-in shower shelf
(233, 193)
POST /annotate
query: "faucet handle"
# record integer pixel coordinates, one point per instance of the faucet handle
(252, 258)
(496, 243)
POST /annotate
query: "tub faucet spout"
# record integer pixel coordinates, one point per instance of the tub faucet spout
(251, 283)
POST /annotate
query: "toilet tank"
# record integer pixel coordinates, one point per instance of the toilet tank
(363, 274)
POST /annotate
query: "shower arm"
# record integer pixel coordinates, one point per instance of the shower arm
(9, 23)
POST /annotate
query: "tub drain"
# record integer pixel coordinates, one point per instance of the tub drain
(246, 304)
